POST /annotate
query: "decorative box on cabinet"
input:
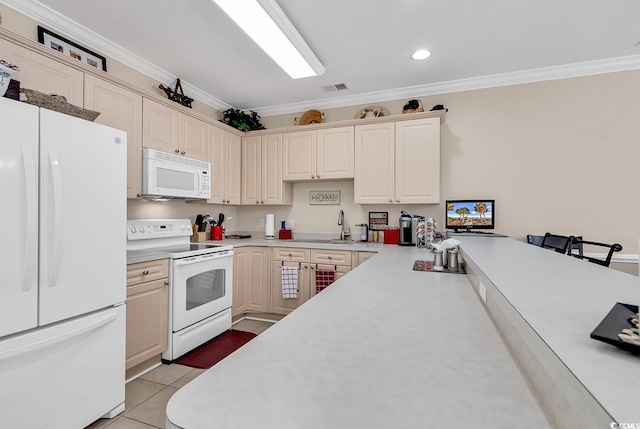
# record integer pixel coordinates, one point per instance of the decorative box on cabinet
(319, 154)
(147, 314)
(262, 171)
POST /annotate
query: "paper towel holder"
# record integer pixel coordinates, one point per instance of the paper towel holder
(269, 227)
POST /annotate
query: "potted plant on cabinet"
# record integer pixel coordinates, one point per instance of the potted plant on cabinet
(241, 120)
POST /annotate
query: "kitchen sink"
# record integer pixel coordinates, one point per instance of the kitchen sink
(322, 241)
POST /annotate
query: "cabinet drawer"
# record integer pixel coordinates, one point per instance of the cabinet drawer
(293, 254)
(147, 271)
(328, 256)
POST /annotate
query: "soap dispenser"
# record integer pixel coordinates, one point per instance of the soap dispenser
(365, 235)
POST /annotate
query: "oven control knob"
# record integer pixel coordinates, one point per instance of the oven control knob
(141, 229)
(133, 229)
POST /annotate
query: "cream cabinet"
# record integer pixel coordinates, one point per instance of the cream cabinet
(398, 163)
(225, 159)
(361, 257)
(308, 262)
(44, 74)
(338, 261)
(147, 314)
(122, 109)
(251, 280)
(168, 130)
(262, 171)
(319, 154)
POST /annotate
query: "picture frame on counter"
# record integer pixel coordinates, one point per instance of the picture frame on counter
(378, 221)
(71, 49)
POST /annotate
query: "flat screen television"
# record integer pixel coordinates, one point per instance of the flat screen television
(469, 215)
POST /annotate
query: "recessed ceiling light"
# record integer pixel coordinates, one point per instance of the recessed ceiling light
(421, 54)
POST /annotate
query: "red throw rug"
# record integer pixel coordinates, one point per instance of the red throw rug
(213, 351)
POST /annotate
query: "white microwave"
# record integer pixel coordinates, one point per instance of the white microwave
(165, 175)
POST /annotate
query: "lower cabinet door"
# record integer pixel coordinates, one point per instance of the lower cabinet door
(147, 321)
(280, 305)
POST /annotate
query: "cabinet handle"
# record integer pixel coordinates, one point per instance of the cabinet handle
(306, 266)
(261, 202)
(290, 254)
(145, 272)
(313, 177)
(257, 202)
(397, 201)
(177, 150)
(390, 201)
(166, 282)
(318, 176)
(329, 257)
(183, 152)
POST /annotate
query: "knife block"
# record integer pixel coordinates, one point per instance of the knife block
(198, 236)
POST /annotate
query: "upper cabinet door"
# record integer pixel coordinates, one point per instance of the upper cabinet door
(160, 127)
(417, 177)
(233, 168)
(374, 167)
(43, 74)
(193, 138)
(217, 158)
(122, 109)
(299, 155)
(335, 153)
(251, 170)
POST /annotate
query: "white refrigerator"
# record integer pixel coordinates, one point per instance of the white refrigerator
(62, 269)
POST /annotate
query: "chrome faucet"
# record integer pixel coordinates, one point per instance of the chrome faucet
(344, 235)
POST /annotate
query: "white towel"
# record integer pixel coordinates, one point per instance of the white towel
(289, 282)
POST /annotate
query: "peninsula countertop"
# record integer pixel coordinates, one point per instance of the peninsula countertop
(383, 347)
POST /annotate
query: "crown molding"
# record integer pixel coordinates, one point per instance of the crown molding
(505, 79)
(71, 29)
(59, 22)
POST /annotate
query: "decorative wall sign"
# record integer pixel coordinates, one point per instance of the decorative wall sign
(177, 94)
(378, 220)
(71, 49)
(324, 198)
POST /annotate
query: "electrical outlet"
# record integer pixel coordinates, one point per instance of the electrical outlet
(290, 223)
(482, 291)
(261, 223)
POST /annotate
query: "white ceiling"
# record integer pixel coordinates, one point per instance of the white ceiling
(366, 44)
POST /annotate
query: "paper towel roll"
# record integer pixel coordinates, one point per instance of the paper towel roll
(269, 227)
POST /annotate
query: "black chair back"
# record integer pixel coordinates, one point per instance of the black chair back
(611, 249)
(559, 243)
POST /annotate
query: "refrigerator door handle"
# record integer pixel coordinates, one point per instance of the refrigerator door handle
(52, 340)
(31, 238)
(56, 241)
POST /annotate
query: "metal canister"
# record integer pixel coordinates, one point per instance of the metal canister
(453, 260)
(438, 264)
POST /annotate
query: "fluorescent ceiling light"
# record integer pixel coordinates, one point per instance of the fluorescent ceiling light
(421, 54)
(269, 27)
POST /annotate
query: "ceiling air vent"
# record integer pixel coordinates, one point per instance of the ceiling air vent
(336, 87)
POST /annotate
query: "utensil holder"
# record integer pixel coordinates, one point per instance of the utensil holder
(216, 233)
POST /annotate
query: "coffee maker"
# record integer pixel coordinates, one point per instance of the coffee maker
(408, 224)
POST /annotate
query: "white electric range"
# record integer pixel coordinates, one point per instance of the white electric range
(200, 280)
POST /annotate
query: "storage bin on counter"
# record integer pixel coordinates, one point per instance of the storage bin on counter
(391, 236)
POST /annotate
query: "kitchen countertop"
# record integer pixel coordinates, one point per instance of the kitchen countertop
(135, 256)
(383, 347)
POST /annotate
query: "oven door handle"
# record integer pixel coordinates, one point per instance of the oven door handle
(199, 259)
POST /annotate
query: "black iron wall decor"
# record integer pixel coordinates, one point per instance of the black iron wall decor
(177, 94)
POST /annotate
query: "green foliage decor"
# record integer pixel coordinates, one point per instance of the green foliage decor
(241, 120)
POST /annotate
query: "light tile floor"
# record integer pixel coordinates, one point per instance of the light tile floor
(147, 396)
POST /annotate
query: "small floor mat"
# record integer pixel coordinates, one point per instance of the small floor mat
(213, 351)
